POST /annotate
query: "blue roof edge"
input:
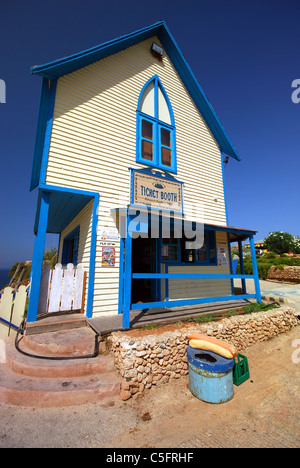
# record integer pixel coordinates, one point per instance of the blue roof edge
(63, 66)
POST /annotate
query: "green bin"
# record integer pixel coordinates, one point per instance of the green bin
(240, 370)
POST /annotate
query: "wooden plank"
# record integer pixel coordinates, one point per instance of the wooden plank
(78, 287)
(55, 293)
(44, 290)
(67, 288)
(18, 308)
(5, 311)
(83, 293)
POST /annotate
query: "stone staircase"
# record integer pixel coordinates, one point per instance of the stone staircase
(47, 382)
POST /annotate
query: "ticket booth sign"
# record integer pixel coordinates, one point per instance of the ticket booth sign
(157, 192)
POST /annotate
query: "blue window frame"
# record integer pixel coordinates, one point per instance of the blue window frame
(174, 251)
(156, 139)
(70, 248)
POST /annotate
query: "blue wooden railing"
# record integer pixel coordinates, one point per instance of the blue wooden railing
(184, 302)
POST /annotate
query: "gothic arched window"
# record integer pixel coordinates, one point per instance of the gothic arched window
(156, 143)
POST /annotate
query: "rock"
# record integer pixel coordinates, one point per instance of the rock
(125, 394)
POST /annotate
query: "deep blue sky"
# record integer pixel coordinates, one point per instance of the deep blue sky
(245, 55)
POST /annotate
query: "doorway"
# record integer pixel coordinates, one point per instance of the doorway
(145, 260)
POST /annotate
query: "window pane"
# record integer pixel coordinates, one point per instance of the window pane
(147, 129)
(147, 102)
(163, 110)
(147, 150)
(166, 156)
(165, 136)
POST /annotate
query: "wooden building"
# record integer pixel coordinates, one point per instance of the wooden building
(128, 164)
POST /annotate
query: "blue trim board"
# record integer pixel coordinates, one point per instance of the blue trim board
(61, 67)
(37, 258)
(188, 276)
(43, 133)
(65, 204)
(185, 302)
(91, 280)
(254, 268)
(157, 125)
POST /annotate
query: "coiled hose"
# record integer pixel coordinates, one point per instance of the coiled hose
(53, 358)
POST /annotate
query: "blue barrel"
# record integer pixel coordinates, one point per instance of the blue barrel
(210, 376)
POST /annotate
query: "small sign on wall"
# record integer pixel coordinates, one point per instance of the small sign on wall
(222, 254)
(108, 256)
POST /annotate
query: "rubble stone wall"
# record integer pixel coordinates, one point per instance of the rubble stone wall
(290, 274)
(154, 359)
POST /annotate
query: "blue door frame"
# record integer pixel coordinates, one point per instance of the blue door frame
(126, 277)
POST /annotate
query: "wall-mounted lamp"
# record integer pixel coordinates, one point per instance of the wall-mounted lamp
(226, 160)
(157, 51)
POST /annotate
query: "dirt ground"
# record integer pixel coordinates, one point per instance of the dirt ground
(264, 412)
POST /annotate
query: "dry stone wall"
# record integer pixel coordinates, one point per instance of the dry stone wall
(154, 359)
(290, 274)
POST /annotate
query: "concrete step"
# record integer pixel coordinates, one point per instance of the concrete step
(44, 382)
(73, 342)
(48, 368)
(16, 389)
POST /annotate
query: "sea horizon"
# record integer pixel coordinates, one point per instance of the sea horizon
(4, 278)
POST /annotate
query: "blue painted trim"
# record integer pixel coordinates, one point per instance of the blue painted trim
(157, 125)
(48, 132)
(185, 302)
(188, 276)
(60, 188)
(43, 133)
(92, 266)
(9, 324)
(121, 276)
(224, 189)
(69, 64)
(127, 276)
(255, 271)
(230, 263)
(37, 258)
(242, 267)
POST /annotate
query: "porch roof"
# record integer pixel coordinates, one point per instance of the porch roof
(64, 206)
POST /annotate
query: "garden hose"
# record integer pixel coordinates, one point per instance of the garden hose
(54, 358)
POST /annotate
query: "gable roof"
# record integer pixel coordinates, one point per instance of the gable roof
(57, 68)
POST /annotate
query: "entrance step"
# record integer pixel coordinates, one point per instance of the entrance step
(46, 382)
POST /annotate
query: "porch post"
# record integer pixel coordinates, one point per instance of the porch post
(37, 258)
(91, 280)
(255, 271)
(127, 275)
(242, 266)
(121, 275)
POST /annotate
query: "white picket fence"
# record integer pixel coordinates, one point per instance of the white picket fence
(62, 289)
(12, 310)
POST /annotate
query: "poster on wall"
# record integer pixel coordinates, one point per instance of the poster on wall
(222, 254)
(108, 256)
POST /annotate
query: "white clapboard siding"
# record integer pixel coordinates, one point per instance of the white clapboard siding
(93, 143)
